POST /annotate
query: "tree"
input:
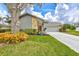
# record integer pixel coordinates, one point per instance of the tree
(15, 10)
(69, 26)
(8, 20)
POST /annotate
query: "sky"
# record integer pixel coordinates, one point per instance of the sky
(3, 9)
(52, 12)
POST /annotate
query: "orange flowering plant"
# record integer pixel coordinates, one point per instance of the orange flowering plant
(8, 37)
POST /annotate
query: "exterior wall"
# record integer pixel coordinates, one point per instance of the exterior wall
(40, 21)
(26, 22)
(34, 23)
(31, 22)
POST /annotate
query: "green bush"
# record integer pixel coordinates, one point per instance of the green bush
(4, 30)
(72, 28)
(29, 31)
(69, 26)
(62, 29)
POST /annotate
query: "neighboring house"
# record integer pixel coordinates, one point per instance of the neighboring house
(29, 21)
(4, 27)
(52, 26)
(77, 26)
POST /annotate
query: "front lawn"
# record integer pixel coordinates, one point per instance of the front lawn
(73, 32)
(38, 46)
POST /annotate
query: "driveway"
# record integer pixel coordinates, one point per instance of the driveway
(69, 40)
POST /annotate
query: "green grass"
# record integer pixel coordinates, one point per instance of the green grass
(38, 46)
(73, 32)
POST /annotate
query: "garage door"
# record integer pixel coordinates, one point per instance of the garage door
(54, 29)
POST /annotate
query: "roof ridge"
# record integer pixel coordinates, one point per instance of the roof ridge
(31, 15)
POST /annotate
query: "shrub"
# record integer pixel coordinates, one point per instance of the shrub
(30, 31)
(4, 30)
(62, 29)
(67, 27)
(8, 37)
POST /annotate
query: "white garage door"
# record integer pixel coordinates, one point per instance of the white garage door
(54, 29)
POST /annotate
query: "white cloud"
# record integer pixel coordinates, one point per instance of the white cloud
(70, 19)
(48, 15)
(3, 13)
(70, 14)
(61, 7)
(73, 12)
(62, 22)
(22, 12)
(62, 10)
(51, 18)
(27, 10)
(38, 14)
(57, 8)
(66, 6)
(73, 15)
(30, 11)
(56, 11)
(76, 20)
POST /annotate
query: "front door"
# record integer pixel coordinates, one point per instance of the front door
(40, 28)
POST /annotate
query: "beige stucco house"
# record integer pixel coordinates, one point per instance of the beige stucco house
(29, 21)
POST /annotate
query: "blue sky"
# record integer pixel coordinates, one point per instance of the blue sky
(3, 9)
(54, 12)
(46, 7)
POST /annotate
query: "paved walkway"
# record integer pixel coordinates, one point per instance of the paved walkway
(69, 40)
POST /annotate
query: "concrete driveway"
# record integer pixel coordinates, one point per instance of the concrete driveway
(69, 40)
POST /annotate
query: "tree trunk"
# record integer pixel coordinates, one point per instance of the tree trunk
(15, 21)
(15, 9)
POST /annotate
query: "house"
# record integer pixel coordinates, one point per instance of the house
(77, 26)
(29, 21)
(4, 27)
(52, 26)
